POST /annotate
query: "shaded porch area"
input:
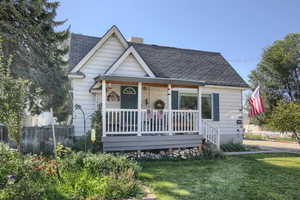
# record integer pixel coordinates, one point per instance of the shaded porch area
(134, 118)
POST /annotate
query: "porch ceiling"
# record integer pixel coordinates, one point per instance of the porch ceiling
(151, 81)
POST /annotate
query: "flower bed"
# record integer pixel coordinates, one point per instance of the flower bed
(71, 176)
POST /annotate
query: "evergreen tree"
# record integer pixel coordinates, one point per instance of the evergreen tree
(28, 29)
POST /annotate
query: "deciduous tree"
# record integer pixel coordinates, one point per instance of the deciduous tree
(278, 73)
(286, 118)
(14, 97)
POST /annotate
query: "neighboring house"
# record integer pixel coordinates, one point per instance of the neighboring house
(43, 119)
(154, 97)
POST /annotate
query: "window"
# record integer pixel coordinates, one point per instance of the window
(188, 101)
(206, 106)
(129, 91)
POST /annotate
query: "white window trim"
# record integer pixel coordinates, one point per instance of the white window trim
(130, 51)
(193, 94)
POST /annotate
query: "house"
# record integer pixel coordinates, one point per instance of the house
(154, 97)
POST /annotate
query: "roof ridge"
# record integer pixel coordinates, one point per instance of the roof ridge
(155, 45)
(96, 37)
(169, 47)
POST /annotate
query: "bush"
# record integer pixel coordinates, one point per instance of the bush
(73, 176)
(22, 176)
(94, 147)
(108, 163)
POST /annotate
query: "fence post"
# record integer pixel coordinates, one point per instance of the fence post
(53, 133)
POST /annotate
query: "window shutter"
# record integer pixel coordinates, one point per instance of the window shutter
(175, 100)
(216, 107)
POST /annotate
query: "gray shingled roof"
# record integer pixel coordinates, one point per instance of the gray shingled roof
(170, 62)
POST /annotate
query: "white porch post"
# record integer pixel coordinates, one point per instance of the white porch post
(139, 122)
(170, 109)
(104, 107)
(199, 110)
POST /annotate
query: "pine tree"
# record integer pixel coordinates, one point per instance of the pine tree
(28, 30)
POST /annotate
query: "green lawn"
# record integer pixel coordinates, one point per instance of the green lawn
(256, 176)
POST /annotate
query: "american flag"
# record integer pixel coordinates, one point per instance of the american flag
(256, 103)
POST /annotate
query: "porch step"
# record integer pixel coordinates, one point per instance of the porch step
(127, 143)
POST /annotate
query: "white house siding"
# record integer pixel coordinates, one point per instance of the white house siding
(130, 67)
(230, 106)
(153, 94)
(104, 57)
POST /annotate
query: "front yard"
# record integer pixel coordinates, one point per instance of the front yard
(257, 176)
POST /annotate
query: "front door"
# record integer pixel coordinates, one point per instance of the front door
(129, 97)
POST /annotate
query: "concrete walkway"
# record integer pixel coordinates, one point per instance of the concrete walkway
(269, 147)
(279, 146)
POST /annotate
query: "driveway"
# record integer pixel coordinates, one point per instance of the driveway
(268, 145)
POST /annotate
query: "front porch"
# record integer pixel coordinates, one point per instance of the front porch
(136, 125)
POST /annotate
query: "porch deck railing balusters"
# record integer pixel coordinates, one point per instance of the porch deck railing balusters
(124, 121)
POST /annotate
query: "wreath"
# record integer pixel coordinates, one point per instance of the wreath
(159, 104)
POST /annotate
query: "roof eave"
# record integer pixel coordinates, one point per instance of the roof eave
(149, 80)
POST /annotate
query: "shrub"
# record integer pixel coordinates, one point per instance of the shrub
(96, 146)
(210, 151)
(73, 176)
(11, 164)
(22, 176)
(286, 118)
(108, 163)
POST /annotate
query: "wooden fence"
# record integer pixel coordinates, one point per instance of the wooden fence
(39, 139)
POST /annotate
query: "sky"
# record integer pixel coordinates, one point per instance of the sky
(239, 29)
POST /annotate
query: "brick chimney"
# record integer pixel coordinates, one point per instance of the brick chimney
(137, 39)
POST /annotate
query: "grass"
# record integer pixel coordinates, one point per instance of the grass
(276, 139)
(230, 147)
(255, 176)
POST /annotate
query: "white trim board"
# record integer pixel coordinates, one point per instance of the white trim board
(130, 51)
(108, 34)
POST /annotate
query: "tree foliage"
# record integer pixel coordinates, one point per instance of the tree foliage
(286, 118)
(278, 73)
(28, 29)
(14, 95)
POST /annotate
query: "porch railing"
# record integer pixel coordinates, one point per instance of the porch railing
(126, 122)
(211, 133)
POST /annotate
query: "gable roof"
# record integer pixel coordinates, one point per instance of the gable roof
(112, 31)
(170, 62)
(130, 51)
